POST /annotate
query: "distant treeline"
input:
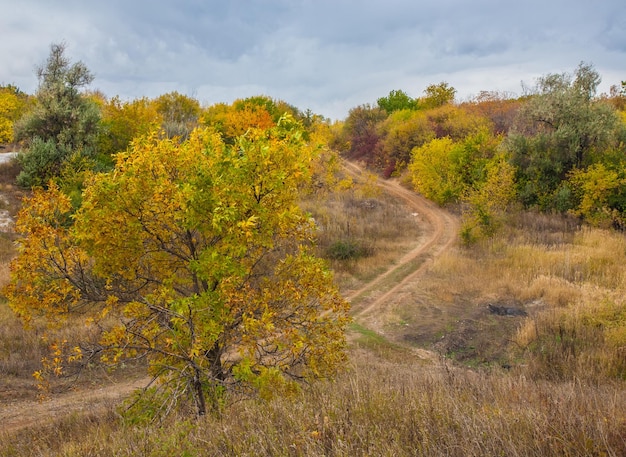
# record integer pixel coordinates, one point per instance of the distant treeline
(561, 147)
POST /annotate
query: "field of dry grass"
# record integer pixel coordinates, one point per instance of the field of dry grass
(377, 407)
(547, 383)
(570, 281)
(378, 226)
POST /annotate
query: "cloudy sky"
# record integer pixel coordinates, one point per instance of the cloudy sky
(323, 55)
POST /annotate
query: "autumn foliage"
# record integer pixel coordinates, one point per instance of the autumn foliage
(195, 256)
(559, 148)
(13, 105)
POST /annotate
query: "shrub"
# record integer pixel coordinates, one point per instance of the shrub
(347, 249)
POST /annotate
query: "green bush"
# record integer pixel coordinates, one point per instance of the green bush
(347, 250)
(41, 162)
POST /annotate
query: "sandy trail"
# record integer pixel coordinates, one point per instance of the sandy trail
(27, 413)
(372, 303)
(439, 234)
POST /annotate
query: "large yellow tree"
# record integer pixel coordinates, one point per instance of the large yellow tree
(195, 256)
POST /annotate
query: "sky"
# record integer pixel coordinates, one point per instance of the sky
(324, 55)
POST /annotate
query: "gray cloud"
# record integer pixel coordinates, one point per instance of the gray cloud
(320, 54)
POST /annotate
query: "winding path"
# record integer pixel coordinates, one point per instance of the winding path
(373, 301)
(439, 235)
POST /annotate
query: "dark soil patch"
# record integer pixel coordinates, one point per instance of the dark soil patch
(467, 333)
(502, 310)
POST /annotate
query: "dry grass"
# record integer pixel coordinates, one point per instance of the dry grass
(524, 271)
(361, 215)
(20, 355)
(570, 280)
(377, 408)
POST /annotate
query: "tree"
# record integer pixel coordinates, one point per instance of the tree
(275, 108)
(455, 122)
(601, 190)
(396, 100)
(253, 112)
(195, 256)
(360, 131)
(239, 119)
(123, 121)
(561, 127)
(500, 108)
(444, 170)
(63, 123)
(488, 200)
(179, 114)
(437, 95)
(434, 173)
(401, 132)
(13, 104)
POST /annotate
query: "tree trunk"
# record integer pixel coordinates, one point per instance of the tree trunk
(199, 394)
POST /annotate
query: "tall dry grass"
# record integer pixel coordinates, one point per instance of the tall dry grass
(362, 216)
(570, 279)
(20, 352)
(377, 408)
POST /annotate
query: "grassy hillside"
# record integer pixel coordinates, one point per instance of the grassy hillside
(398, 407)
(445, 375)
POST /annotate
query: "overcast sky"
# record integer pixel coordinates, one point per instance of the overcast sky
(323, 55)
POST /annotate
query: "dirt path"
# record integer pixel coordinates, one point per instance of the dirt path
(439, 234)
(370, 304)
(27, 413)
